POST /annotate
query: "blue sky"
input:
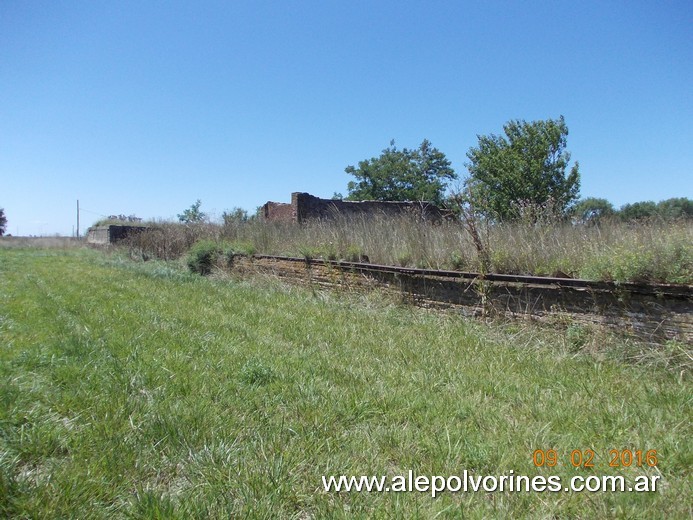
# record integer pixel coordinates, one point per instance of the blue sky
(143, 107)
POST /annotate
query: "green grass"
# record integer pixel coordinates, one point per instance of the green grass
(137, 390)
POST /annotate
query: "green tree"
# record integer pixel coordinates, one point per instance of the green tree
(401, 175)
(235, 216)
(525, 168)
(3, 222)
(638, 210)
(592, 210)
(679, 207)
(193, 214)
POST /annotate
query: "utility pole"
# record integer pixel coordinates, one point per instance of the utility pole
(77, 218)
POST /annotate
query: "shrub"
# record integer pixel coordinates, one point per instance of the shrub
(404, 259)
(202, 255)
(309, 252)
(458, 261)
(355, 254)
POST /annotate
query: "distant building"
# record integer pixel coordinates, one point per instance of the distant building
(304, 207)
(110, 234)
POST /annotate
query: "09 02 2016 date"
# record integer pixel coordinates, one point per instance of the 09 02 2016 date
(587, 458)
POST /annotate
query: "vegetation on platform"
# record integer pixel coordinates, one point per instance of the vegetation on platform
(654, 250)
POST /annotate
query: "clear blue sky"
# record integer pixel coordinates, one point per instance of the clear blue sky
(142, 107)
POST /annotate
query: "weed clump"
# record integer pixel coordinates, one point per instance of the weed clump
(577, 336)
(255, 373)
(202, 256)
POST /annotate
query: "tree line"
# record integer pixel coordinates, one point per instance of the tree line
(525, 173)
(594, 210)
(522, 174)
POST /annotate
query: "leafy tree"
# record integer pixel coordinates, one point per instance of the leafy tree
(680, 207)
(193, 214)
(401, 175)
(592, 210)
(235, 216)
(638, 210)
(525, 168)
(669, 209)
(3, 222)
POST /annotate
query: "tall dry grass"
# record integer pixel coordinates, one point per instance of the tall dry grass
(648, 251)
(169, 240)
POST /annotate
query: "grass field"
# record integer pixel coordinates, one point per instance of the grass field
(137, 390)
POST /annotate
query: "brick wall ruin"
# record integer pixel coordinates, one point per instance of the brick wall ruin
(304, 206)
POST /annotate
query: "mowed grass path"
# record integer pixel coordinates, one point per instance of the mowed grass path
(139, 391)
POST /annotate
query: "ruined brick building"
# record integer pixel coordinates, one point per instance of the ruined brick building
(304, 206)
